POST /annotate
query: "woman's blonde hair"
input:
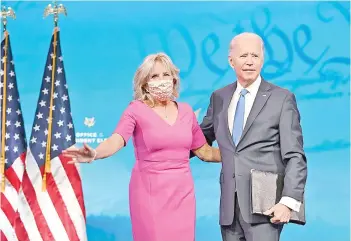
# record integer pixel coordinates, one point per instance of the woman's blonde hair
(142, 75)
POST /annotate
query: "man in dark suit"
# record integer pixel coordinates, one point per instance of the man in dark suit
(257, 126)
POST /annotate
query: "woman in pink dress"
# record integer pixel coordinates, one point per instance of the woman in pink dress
(161, 190)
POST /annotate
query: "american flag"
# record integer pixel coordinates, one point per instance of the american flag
(13, 142)
(57, 213)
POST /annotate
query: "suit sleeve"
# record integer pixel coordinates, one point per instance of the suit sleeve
(207, 123)
(291, 144)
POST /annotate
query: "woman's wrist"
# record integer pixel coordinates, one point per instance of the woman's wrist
(94, 156)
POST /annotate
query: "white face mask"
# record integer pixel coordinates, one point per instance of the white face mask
(161, 90)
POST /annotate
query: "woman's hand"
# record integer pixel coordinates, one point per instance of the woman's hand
(85, 154)
(208, 153)
(216, 154)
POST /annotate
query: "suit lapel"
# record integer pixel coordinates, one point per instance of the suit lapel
(261, 98)
(227, 97)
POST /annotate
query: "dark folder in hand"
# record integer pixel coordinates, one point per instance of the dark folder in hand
(266, 191)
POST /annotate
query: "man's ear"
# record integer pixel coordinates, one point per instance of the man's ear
(231, 62)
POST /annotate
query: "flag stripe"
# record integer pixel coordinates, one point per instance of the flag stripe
(75, 179)
(18, 165)
(11, 195)
(7, 209)
(69, 198)
(2, 236)
(9, 205)
(46, 204)
(21, 233)
(60, 206)
(32, 201)
(12, 177)
(6, 228)
(26, 229)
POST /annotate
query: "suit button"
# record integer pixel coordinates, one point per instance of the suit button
(233, 175)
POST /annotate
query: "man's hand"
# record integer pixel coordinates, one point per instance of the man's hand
(280, 212)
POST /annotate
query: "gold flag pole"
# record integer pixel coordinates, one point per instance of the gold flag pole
(5, 13)
(55, 10)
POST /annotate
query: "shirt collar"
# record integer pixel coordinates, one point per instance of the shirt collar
(253, 88)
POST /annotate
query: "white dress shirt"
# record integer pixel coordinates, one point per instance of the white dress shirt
(249, 100)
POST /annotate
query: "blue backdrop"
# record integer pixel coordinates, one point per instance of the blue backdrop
(307, 51)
